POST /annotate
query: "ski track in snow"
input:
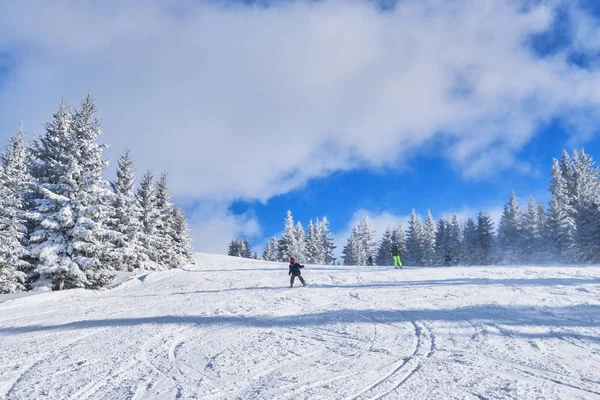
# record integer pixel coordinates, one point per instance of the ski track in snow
(230, 328)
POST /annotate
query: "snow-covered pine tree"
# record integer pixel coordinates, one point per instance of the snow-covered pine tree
(274, 249)
(586, 182)
(399, 236)
(163, 235)
(327, 242)
(149, 216)
(469, 248)
(367, 240)
(384, 251)
(13, 232)
(318, 245)
(287, 244)
(235, 248)
(311, 244)
(532, 233)
(454, 240)
(560, 221)
(510, 238)
(13, 160)
(126, 219)
(300, 249)
(51, 217)
(267, 255)
(91, 237)
(271, 250)
(354, 251)
(246, 250)
(429, 258)
(485, 239)
(566, 171)
(415, 240)
(180, 237)
(544, 252)
(441, 240)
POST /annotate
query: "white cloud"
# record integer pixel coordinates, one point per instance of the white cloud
(248, 101)
(213, 226)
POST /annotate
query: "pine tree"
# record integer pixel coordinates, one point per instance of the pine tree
(399, 237)
(485, 239)
(246, 250)
(287, 244)
(318, 243)
(510, 239)
(415, 240)
(149, 216)
(354, 251)
(470, 246)
(442, 237)
(51, 217)
(384, 251)
(235, 248)
(560, 221)
(13, 238)
(311, 244)
(532, 233)
(327, 242)
(267, 255)
(181, 239)
(300, 248)
(163, 235)
(454, 240)
(271, 250)
(586, 183)
(127, 217)
(367, 240)
(544, 248)
(429, 258)
(91, 237)
(566, 172)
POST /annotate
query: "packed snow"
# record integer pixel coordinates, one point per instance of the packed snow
(231, 328)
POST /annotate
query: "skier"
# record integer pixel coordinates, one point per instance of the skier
(295, 272)
(396, 255)
(370, 261)
(447, 260)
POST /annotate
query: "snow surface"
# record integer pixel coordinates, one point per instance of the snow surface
(230, 328)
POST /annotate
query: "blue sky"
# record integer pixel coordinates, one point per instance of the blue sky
(335, 108)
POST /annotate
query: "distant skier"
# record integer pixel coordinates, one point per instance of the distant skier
(447, 260)
(370, 260)
(396, 255)
(295, 272)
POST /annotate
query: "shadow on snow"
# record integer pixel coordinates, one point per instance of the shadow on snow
(501, 318)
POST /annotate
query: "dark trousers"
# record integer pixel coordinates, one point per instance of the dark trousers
(294, 277)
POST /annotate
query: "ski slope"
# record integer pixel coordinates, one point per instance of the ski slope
(230, 328)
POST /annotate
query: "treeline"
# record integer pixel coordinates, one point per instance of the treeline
(241, 248)
(565, 231)
(426, 244)
(313, 246)
(62, 226)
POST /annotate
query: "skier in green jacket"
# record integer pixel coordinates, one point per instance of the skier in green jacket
(396, 255)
